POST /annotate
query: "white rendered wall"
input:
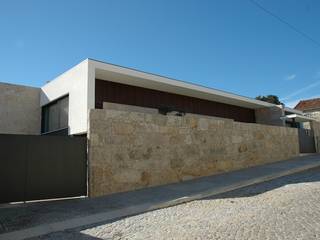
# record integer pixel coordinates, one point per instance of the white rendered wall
(75, 83)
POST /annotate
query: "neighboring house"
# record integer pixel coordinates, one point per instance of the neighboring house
(296, 118)
(66, 100)
(310, 107)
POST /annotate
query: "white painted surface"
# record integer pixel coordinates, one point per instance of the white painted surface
(91, 85)
(299, 118)
(75, 83)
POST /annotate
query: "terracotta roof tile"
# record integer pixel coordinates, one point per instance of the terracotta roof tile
(308, 104)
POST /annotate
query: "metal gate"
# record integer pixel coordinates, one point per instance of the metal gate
(306, 141)
(42, 167)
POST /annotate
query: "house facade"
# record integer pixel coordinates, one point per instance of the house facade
(145, 130)
(66, 100)
(310, 107)
(91, 83)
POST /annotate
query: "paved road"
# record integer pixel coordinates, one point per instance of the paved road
(286, 208)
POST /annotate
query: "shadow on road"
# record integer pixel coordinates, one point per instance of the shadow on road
(68, 235)
(253, 190)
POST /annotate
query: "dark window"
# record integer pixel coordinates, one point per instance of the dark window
(55, 115)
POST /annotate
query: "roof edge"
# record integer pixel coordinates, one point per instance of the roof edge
(191, 85)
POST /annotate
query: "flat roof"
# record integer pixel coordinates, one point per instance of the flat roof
(292, 110)
(299, 118)
(129, 76)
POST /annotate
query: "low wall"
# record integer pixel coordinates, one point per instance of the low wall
(19, 109)
(131, 150)
(315, 126)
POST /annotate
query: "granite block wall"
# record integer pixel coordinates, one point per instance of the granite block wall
(19, 109)
(130, 150)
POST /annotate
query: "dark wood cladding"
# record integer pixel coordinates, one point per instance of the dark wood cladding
(107, 91)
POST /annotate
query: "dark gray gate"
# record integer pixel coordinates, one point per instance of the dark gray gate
(306, 141)
(42, 167)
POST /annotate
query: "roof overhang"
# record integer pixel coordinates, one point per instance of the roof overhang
(298, 118)
(292, 110)
(119, 74)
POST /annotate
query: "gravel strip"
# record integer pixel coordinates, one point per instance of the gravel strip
(285, 208)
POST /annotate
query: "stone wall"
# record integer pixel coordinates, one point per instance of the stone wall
(19, 109)
(132, 150)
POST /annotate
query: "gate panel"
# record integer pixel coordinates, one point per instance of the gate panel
(12, 168)
(42, 167)
(56, 167)
(306, 141)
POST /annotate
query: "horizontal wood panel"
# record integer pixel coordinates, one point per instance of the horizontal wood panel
(107, 91)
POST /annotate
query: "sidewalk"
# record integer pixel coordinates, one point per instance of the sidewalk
(34, 219)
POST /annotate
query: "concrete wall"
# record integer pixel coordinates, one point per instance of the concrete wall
(270, 116)
(315, 126)
(131, 150)
(19, 109)
(75, 84)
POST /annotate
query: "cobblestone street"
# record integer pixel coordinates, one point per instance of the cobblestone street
(286, 208)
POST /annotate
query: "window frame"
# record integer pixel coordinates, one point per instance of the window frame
(43, 117)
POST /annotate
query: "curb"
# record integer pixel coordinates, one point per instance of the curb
(141, 208)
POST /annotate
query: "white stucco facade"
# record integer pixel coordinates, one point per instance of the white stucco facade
(74, 83)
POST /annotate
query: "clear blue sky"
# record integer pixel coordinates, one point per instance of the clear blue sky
(228, 44)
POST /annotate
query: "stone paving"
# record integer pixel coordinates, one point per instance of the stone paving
(285, 208)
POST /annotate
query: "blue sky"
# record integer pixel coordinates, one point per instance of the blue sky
(226, 44)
